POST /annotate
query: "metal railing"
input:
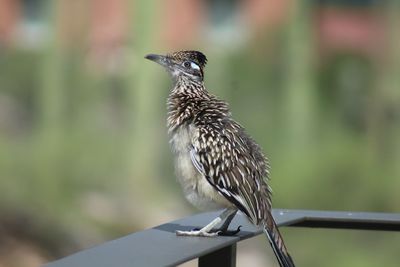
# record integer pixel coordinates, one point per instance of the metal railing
(159, 246)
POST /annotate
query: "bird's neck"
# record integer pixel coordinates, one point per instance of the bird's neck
(187, 85)
(183, 101)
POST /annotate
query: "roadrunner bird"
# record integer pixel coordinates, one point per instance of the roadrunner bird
(218, 164)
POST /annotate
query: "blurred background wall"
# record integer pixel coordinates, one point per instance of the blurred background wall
(83, 148)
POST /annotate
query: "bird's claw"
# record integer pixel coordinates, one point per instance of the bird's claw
(229, 232)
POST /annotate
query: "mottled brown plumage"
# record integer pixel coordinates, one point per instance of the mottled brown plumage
(218, 164)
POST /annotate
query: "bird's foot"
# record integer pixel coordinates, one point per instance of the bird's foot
(200, 232)
(226, 232)
(211, 233)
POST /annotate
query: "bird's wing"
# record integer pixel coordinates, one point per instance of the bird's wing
(234, 165)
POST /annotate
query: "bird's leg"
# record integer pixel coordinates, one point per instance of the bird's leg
(208, 230)
(223, 229)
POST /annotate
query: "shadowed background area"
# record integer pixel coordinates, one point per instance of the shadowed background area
(83, 147)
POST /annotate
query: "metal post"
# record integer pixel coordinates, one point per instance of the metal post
(222, 257)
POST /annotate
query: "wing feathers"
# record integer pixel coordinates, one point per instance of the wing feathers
(231, 163)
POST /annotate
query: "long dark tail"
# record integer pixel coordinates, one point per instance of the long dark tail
(277, 244)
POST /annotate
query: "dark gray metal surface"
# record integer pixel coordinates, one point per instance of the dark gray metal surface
(339, 219)
(160, 246)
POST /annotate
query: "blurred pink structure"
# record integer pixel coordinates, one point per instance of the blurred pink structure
(359, 30)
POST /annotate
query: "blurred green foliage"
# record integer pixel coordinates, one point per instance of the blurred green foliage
(72, 136)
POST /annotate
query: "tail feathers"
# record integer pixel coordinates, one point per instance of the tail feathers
(276, 241)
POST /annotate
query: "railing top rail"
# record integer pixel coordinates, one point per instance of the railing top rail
(159, 246)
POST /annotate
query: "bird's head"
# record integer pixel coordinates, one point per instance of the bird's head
(187, 63)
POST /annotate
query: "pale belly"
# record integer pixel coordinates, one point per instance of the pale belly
(196, 188)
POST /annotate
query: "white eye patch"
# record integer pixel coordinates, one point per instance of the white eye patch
(194, 66)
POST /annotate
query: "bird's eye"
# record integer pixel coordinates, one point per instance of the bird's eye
(191, 65)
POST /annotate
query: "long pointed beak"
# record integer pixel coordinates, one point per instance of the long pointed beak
(162, 60)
